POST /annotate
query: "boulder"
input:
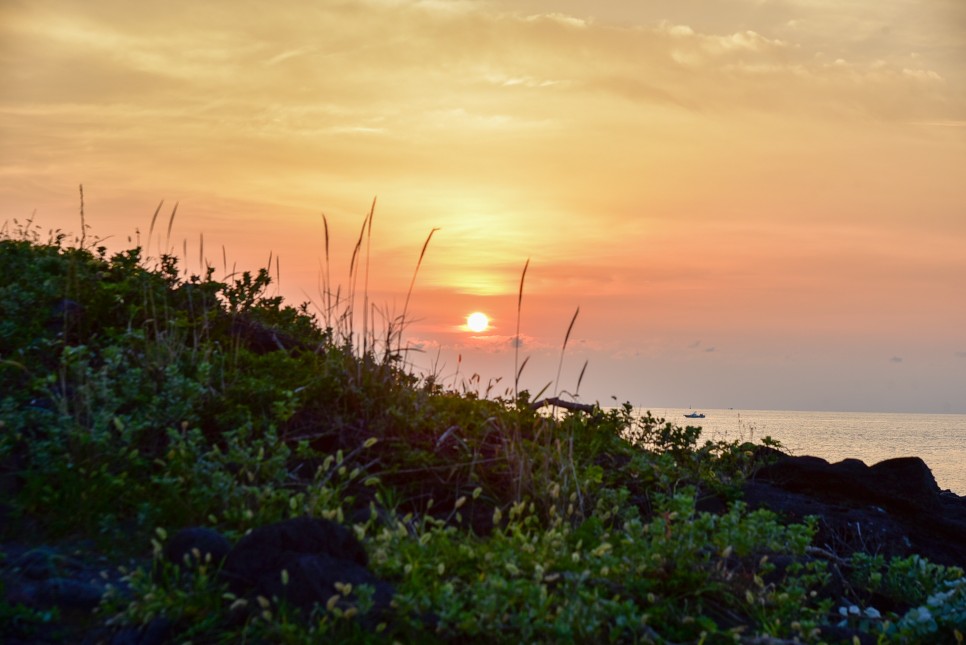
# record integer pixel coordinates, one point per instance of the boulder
(315, 555)
(894, 507)
(197, 545)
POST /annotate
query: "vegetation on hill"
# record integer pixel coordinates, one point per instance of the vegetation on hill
(136, 400)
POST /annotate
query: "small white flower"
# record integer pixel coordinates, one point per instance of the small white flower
(872, 612)
(854, 610)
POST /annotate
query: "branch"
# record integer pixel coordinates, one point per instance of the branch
(560, 403)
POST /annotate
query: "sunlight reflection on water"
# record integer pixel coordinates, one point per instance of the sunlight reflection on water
(939, 439)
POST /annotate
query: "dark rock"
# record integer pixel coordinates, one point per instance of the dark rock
(44, 562)
(196, 544)
(906, 478)
(299, 535)
(155, 632)
(894, 507)
(315, 555)
(69, 593)
(842, 529)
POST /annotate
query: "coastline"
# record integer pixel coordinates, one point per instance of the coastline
(939, 439)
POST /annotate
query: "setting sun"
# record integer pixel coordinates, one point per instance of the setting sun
(477, 321)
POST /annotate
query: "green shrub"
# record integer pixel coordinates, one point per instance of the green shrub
(136, 397)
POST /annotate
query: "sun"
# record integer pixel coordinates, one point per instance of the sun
(477, 321)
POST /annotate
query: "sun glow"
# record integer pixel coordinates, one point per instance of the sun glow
(477, 321)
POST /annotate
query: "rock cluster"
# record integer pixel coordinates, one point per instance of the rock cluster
(302, 562)
(893, 508)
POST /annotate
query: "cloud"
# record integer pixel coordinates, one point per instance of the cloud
(421, 344)
(497, 343)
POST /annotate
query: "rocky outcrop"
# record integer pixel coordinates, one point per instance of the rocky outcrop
(894, 507)
(304, 561)
(197, 545)
(51, 591)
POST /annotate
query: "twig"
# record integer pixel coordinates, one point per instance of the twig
(560, 403)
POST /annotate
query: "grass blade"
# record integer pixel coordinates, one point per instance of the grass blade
(154, 218)
(520, 371)
(580, 378)
(412, 283)
(563, 350)
(326, 285)
(83, 223)
(517, 368)
(174, 211)
(366, 318)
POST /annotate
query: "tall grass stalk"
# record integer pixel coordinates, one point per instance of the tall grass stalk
(563, 350)
(328, 307)
(154, 219)
(338, 308)
(580, 378)
(412, 283)
(517, 368)
(365, 234)
(365, 285)
(83, 237)
(167, 239)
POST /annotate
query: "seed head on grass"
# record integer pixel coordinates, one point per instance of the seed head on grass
(409, 293)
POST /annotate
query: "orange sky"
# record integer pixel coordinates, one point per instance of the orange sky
(754, 203)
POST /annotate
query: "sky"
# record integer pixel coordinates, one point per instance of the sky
(757, 204)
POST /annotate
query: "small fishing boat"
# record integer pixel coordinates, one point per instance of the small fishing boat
(694, 415)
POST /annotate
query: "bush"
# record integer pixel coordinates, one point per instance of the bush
(135, 397)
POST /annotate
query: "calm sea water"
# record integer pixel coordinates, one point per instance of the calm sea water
(939, 439)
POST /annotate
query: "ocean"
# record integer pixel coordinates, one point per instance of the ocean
(939, 439)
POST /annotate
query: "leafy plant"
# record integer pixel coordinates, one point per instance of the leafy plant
(134, 396)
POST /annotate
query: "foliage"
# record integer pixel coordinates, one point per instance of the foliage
(134, 396)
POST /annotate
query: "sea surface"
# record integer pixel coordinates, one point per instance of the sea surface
(939, 439)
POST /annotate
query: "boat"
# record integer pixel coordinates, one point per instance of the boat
(694, 415)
